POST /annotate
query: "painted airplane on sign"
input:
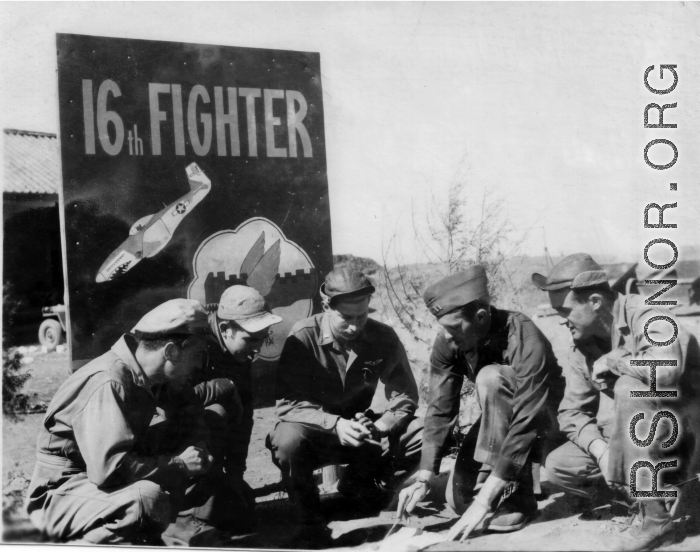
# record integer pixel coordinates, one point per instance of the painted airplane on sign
(150, 234)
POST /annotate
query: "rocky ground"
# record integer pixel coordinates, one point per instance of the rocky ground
(560, 525)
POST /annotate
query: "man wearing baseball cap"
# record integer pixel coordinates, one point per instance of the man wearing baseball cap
(516, 380)
(327, 376)
(597, 412)
(240, 323)
(124, 444)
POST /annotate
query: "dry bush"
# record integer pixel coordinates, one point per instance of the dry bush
(455, 234)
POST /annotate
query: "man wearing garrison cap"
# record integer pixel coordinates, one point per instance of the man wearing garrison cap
(610, 359)
(241, 323)
(515, 375)
(124, 446)
(327, 376)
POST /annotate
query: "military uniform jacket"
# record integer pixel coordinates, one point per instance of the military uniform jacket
(95, 424)
(316, 384)
(578, 410)
(514, 340)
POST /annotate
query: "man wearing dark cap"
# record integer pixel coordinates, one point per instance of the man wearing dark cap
(608, 331)
(515, 375)
(124, 445)
(241, 324)
(326, 379)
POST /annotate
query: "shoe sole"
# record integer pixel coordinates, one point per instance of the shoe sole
(510, 528)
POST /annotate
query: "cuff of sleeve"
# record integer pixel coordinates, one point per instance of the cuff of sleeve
(506, 469)
(430, 460)
(589, 434)
(388, 419)
(329, 421)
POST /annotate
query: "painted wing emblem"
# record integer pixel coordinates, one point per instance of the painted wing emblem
(263, 275)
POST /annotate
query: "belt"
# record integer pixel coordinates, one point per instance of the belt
(52, 461)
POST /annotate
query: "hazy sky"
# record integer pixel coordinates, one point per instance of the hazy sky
(541, 102)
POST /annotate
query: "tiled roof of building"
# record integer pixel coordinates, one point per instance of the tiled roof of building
(31, 162)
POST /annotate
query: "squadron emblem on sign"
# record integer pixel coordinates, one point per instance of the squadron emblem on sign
(283, 273)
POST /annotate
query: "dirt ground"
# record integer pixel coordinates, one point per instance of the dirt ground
(559, 526)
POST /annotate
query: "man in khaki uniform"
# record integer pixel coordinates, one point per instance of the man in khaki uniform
(606, 365)
(124, 446)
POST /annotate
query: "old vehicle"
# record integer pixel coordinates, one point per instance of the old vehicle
(53, 327)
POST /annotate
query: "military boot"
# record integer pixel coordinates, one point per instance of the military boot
(373, 490)
(193, 532)
(654, 528)
(517, 506)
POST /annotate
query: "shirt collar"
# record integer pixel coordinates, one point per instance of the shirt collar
(125, 349)
(326, 333)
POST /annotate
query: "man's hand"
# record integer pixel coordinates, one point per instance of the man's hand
(412, 495)
(378, 430)
(469, 520)
(601, 371)
(197, 459)
(493, 488)
(351, 433)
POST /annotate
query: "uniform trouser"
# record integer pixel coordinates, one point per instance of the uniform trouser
(229, 414)
(495, 387)
(230, 424)
(577, 472)
(298, 450)
(76, 508)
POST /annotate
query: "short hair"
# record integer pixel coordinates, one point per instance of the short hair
(581, 295)
(228, 324)
(155, 341)
(470, 309)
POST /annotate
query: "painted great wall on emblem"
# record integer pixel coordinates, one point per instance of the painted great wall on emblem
(282, 272)
(286, 289)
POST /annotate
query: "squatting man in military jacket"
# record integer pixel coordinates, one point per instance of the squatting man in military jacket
(241, 324)
(326, 379)
(124, 446)
(597, 411)
(516, 378)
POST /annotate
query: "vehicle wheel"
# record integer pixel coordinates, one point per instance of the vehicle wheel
(50, 333)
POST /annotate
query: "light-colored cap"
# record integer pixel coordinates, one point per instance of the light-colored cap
(175, 317)
(247, 308)
(572, 272)
(575, 271)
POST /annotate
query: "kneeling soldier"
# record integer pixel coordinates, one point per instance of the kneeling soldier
(517, 382)
(326, 379)
(241, 324)
(123, 447)
(608, 331)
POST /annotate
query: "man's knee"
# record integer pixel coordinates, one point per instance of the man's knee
(220, 392)
(154, 505)
(568, 465)
(558, 465)
(625, 403)
(492, 377)
(288, 441)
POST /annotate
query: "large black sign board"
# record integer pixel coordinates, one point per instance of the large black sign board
(188, 168)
